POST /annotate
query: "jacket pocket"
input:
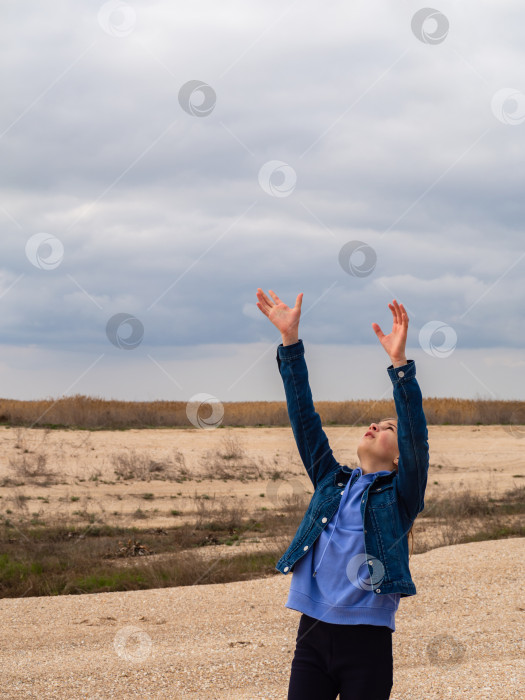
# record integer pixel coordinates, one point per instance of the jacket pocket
(381, 496)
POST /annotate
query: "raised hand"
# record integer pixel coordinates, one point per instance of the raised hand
(394, 343)
(285, 319)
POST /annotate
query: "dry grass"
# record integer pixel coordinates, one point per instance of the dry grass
(86, 412)
(82, 552)
(133, 465)
(31, 465)
(231, 462)
(58, 558)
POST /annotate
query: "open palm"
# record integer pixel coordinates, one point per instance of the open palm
(394, 343)
(285, 319)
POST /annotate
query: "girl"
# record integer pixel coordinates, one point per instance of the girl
(349, 556)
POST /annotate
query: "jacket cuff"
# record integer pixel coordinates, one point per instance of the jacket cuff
(288, 352)
(403, 373)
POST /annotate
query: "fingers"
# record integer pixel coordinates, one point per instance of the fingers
(266, 304)
(259, 305)
(378, 331)
(398, 312)
(275, 297)
(394, 308)
(262, 296)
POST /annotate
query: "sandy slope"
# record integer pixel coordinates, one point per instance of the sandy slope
(461, 636)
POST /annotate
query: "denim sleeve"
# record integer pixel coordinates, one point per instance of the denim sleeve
(311, 439)
(412, 438)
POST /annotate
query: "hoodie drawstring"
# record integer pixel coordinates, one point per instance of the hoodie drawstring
(331, 535)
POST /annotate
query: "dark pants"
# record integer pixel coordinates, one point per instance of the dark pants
(353, 660)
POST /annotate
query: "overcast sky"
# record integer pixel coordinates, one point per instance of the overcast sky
(162, 160)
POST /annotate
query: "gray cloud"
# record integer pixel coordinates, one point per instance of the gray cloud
(161, 214)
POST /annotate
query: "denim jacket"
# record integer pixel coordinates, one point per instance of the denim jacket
(389, 505)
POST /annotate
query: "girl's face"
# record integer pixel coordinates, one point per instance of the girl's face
(379, 443)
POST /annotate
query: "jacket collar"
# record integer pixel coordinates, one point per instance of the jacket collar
(348, 471)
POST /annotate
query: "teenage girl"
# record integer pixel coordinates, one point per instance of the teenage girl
(344, 639)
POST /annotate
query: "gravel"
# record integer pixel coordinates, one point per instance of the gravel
(461, 636)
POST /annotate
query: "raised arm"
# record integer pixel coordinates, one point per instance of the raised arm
(310, 437)
(412, 432)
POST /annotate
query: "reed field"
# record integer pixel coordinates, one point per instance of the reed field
(85, 412)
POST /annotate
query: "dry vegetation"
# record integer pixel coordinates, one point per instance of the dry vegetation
(59, 558)
(85, 551)
(81, 411)
(212, 539)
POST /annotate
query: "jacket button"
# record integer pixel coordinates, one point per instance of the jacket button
(340, 484)
(305, 548)
(286, 568)
(378, 590)
(401, 373)
(324, 520)
(342, 493)
(365, 532)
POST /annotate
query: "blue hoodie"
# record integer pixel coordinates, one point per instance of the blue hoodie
(331, 581)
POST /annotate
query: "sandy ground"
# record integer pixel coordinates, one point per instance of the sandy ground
(482, 459)
(461, 636)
